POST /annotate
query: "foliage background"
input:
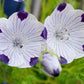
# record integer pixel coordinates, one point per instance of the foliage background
(72, 73)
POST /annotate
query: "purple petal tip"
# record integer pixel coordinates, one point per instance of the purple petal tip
(22, 15)
(83, 47)
(62, 60)
(4, 58)
(44, 33)
(82, 18)
(0, 31)
(34, 61)
(61, 7)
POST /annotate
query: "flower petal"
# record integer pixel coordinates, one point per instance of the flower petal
(3, 42)
(67, 52)
(6, 27)
(76, 44)
(62, 49)
(29, 25)
(57, 16)
(16, 59)
(31, 51)
(73, 19)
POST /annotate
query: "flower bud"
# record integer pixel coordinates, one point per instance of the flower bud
(51, 65)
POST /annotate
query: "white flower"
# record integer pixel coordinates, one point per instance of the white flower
(20, 39)
(19, 0)
(65, 32)
(51, 65)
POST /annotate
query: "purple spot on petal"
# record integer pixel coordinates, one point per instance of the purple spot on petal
(83, 47)
(4, 58)
(61, 7)
(62, 60)
(82, 18)
(44, 33)
(56, 73)
(0, 31)
(34, 61)
(22, 15)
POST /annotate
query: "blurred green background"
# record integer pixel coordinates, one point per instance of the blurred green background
(72, 73)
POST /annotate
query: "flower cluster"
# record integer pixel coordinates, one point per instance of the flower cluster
(64, 35)
(23, 39)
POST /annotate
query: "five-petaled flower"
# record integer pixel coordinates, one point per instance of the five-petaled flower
(20, 40)
(65, 32)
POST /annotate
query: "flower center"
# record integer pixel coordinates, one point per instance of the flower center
(63, 35)
(17, 43)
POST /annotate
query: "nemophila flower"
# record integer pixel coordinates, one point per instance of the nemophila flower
(65, 32)
(51, 65)
(20, 39)
(19, 0)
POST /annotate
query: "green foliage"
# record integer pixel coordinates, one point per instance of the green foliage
(72, 73)
(47, 7)
(1, 9)
(28, 5)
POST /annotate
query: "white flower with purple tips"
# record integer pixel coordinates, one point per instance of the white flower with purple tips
(51, 65)
(65, 32)
(20, 40)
